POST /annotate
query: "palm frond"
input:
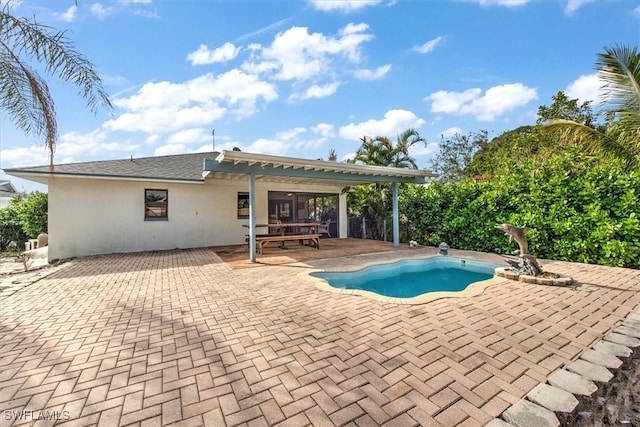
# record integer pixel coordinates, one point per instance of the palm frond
(57, 53)
(619, 68)
(410, 137)
(25, 95)
(606, 145)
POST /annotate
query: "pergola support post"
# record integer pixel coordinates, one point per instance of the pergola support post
(252, 218)
(396, 219)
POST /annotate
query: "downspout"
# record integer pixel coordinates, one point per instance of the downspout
(396, 219)
(252, 219)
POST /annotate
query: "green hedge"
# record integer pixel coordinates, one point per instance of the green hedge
(12, 235)
(577, 211)
(25, 217)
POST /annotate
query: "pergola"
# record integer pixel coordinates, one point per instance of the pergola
(303, 171)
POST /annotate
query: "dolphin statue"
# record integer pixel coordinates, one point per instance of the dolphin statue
(517, 234)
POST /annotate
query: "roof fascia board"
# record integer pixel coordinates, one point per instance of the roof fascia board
(286, 162)
(44, 177)
(258, 169)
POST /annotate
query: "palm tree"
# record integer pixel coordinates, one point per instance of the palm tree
(401, 157)
(374, 200)
(380, 151)
(619, 69)
(24, 93)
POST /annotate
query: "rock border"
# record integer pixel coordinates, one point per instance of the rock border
(567, 390)
(13, 282)
(511, 274)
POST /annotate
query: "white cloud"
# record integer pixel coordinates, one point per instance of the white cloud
(452, 132)
(147, 13)
(636, 11)
(168, 149)
(573, 5)
(204, 55)
(99, 11)
(95, 144)
(161, 120)
(393, 123)
(71, 147)
(137, 8)
(16, 157)
(344, 6)
(158, 95)
(167, 107)
(190, 136)
(297, 55)
(69, 15)
(349, 157)
(506, 3)
(291, 134)
(324, 129)
(424, 149)
(451, 102)
(586, 88)
(315, 91)
(291, 139)
(378, 73)
(152, 139)
(495, 102)
(268, 146)
(428, 46)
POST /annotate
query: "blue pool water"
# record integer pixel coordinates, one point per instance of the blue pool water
(410, 278)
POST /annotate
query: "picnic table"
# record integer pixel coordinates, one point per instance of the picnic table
(283, 236)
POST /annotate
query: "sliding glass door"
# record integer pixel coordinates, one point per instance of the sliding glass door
(295, 207)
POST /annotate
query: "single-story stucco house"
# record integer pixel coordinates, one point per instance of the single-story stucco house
(195, 200)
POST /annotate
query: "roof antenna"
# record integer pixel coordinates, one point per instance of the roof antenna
(213, 134)
(132, 157)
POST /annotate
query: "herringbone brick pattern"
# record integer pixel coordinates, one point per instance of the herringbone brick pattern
(179, 338)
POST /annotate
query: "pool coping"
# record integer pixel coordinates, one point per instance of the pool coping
(473, 289)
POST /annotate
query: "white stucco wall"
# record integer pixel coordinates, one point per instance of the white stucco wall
(94, 216)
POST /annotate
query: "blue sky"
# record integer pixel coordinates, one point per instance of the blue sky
(299, 78)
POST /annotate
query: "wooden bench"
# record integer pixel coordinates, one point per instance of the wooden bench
(264, 240)
(246, 236)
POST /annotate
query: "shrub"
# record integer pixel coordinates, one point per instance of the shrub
(577, 211)
(10, 228)
(24, 218)
(33, 214)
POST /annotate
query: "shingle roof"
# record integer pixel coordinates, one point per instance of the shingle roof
(179, 167)
(7, 188)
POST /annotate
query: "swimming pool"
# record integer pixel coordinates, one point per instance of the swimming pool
(410, 278)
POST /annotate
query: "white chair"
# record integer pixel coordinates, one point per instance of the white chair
(324, 228)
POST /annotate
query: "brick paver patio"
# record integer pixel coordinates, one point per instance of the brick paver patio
(178, 337)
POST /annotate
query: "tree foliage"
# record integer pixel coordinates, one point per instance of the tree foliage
(11, 233)
(33, 214)
(24, 93)
(537, 142)
(577, 209)
(575, 182)
(564, 108)
(24, 218)
(619, 70)
(381, 151)
(453, 161)
(373, 202)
